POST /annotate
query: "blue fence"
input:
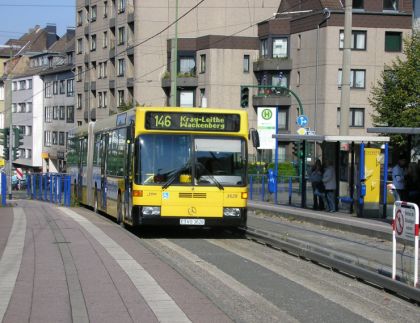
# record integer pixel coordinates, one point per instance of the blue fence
(289, 189)
(3, 188)
(50, 187)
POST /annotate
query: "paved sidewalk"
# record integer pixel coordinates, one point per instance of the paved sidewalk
(57, 265)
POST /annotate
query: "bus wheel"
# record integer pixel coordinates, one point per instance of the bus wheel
(120, 219)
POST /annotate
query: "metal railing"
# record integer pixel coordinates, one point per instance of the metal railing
(50, 187)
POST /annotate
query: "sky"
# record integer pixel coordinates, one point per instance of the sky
(17, 17)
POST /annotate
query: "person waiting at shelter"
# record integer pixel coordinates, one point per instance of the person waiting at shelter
(318, 189)
(412, 183)
(329, 180)
(398, 179)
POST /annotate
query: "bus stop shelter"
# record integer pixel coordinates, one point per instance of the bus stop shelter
(354, 145)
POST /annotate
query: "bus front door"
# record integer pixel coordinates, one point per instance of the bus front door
(103, 151)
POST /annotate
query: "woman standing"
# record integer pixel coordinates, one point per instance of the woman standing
(318, 189)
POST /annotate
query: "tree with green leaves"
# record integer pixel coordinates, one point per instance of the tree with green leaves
(396, 97)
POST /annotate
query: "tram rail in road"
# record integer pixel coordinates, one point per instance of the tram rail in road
(338, 263)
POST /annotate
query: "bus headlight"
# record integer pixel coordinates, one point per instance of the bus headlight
(231, 212)
(151, 210)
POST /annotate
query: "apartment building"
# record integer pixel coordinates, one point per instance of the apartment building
(122, 52)
(58, 101)
(303, 51)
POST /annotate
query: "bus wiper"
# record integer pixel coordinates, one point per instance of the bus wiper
(169, 182)
(215, 181)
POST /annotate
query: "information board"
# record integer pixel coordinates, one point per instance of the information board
(180, 121)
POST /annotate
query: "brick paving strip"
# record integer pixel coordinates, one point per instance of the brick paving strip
(162, 305)
(11, 259)
(78, 307)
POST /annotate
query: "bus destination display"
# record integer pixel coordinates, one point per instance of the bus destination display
(192, 121)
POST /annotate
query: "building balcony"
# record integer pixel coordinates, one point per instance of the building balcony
(183, 80)
(130, 82)
(271, 97)
(112, 23)
(130, 50)
(272, 64)
(130, 17)
(112, 52)
(92, 114)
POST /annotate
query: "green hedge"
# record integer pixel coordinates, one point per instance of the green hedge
(284, 169)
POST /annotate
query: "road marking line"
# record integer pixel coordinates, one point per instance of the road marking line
(11, 259)
(162, 305)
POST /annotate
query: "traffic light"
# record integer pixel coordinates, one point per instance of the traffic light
(4, 137)
(295, 148)
(244, 97)
(6, 151)
(18, 137)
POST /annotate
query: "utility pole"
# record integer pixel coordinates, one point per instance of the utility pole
(174, 60)
(345, 81)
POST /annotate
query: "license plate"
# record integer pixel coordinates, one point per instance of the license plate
(191, 221)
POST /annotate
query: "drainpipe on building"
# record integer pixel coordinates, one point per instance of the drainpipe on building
(174, 61)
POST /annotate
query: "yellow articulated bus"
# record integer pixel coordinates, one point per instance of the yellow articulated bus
(163, 166)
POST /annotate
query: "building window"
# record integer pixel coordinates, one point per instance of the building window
(79, 46)
(105, 9)
(62, 87)
(357, 78)
(299, 42)
(14, 86)
(246, 64)
(28, 107)
(280, 79)
(358, 4)
(203, 63)
(79, 123)
(121, 97)
(280, 47)
(356, 117)
(70, 114)
(105, 99)
(28, 130)
(79, 73)
(358, 39)
(1, 91)
(14, 107)
(93, 43)
(55, 87)
(54, 138)
(61, 137)
(80, 18)
(121, 67)
(70, 87)
(79, 101)
(47, 114)
(298, 78)
(47, 90)
(393, 41)
(187, 65)
(99, 99)
(93, 13)
(105, 39)
(283, 119)
(264, 48)
(21, 107)
(22, 85)
(391, 5)
(121, 6)
(29, 84)
(55, 112)
(28, 153)
(186, 98)
(121, 35)
(62, 112)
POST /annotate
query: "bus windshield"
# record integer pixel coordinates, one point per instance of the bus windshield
(190, 160)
